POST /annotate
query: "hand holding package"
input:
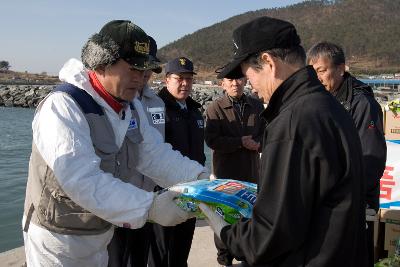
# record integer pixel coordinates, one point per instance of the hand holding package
(164, 210)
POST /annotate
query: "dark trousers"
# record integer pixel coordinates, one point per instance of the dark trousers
(130, 247)
(223, 255)
(171, 245)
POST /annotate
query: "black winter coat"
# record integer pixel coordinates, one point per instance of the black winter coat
(184, 130)
(358, 99)
(310, 208)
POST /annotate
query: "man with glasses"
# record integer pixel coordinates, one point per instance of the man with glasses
(234, 132)
(184, 130)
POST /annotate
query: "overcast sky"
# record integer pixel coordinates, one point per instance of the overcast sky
(39, 36)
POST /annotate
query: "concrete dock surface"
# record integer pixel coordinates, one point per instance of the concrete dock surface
(202, 254)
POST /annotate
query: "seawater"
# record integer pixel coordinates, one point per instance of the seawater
(15, 149)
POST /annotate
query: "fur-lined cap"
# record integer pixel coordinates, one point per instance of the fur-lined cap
(118, 39)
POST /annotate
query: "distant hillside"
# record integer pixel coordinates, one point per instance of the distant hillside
(13, 77)
(368, 30)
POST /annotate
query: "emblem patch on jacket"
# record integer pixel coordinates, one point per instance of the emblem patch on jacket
(200, 124)
(132, 124)
(158, 117)
(371, 125)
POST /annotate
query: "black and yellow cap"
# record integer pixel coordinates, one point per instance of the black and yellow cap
(133, 42)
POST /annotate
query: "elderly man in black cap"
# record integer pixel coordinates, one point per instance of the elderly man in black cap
(184, 130)
(310, 208)
(233, 131)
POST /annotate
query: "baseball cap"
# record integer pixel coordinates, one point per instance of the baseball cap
(153, 55)
(179, 65)
(260, 34)
(132, 41)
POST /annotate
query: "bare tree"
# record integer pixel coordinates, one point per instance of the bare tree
(4, 65)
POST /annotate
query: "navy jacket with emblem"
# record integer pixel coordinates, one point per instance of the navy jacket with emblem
(358, 99)
(184, 130)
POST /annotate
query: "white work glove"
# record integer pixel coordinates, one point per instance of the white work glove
(164, 210)
(214, 220)
(206, 176)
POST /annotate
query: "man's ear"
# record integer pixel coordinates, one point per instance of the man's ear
(342, 69)
(222, 83)
(269, 62)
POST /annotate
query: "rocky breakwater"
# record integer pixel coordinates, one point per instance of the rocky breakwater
(205, 95)
(29, 96)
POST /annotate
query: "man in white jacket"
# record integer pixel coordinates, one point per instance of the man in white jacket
(76, 190)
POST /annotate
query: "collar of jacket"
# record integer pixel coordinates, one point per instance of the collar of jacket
(147, 91)
(348, 88)
(73, 72)
(227, 103)
(301, 83)
(98, 87)
(170, 101)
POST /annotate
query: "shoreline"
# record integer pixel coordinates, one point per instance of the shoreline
(29, 96)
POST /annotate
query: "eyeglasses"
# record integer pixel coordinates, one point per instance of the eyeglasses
(180, 79)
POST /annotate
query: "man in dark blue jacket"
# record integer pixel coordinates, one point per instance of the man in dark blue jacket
(184, 130)
(358, 99)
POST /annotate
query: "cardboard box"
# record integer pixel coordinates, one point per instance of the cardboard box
(392, 233)
(391, 219)
(392, 125)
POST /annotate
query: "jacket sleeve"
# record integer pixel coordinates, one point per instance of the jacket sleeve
(62, 136)
(263, 239)
(213, 134)
(158, 160)
(260, 125)
(368, 118)
(298, 174)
